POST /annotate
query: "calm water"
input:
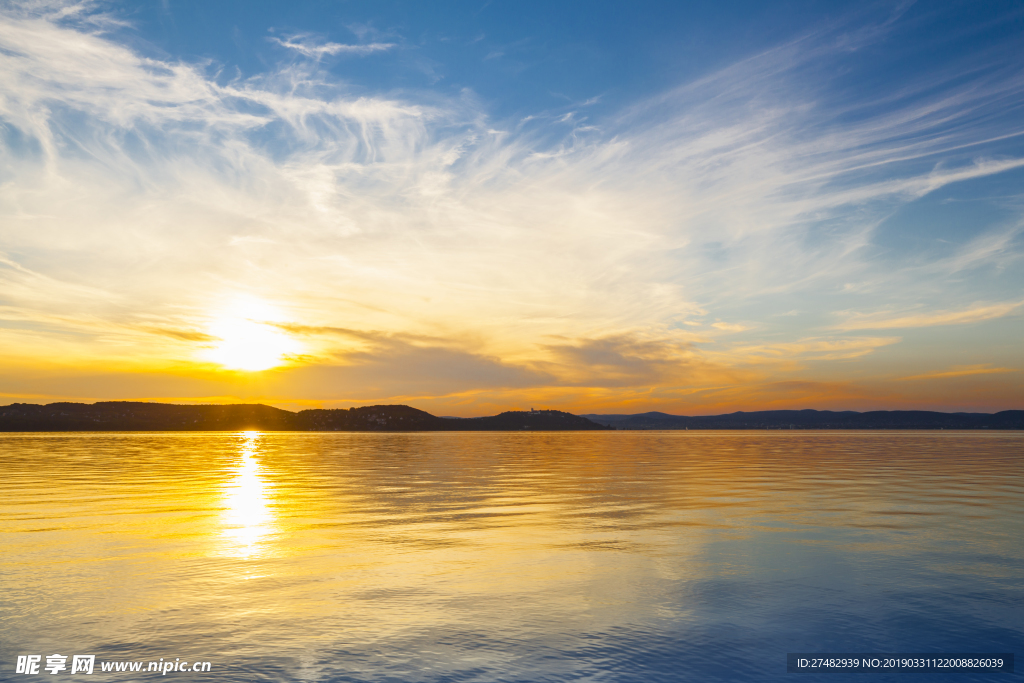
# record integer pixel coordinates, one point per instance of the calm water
(621, 556)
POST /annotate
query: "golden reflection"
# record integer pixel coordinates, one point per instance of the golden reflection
(248, 518)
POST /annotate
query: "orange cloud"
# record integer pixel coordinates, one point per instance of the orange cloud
(962, 371)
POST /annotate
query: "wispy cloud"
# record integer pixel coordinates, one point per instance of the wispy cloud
(976, 313)
(184, 335)
(812, 349)
(729, 327)
(304, 44)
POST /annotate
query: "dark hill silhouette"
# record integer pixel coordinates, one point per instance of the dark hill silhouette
(548, 420)
(819, 419)
(369, 419)
(134, 416)
(404, 418)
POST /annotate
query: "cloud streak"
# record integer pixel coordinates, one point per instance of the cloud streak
(304, 46)
(962, 371)
(977, 313)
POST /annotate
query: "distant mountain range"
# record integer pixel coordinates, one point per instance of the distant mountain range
(134, 416)
(818, 419)
(128, 416)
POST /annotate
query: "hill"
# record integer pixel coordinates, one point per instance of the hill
(818, 419)
(134, 416)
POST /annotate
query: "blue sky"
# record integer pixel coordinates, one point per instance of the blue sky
(519, 57)
(479, 206)
(526, 57)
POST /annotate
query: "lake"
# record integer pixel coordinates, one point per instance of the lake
(558, 556)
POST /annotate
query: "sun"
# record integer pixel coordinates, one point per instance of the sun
(250, 341)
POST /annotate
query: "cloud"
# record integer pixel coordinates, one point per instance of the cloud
(977, 313)
(184, 335)
(381, 364)
(303, 45)
(621, 360)
(812, 349)
(140, 194)
(402, 370)
(962, 371)
(729, 327)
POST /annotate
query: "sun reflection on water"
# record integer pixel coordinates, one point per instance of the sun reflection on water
(247, 518)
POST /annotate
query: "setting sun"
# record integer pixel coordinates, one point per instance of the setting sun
(250, 345)
(248, 338)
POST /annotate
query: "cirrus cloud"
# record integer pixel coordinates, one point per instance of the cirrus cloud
(304, 45)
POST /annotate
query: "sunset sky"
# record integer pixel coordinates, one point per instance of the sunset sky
(471, 207)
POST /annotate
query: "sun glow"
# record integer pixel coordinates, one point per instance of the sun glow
(249, 340)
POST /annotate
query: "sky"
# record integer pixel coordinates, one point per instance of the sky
(471, 207)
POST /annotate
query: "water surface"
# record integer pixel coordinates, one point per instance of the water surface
(607, 556)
